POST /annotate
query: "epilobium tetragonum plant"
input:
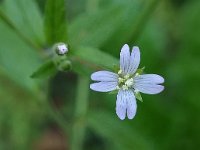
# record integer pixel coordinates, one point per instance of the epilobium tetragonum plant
(128, 81)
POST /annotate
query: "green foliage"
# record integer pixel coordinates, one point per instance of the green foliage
(23, 12)
(168, 37)
(46, 70)
(17, 58)
(55, 21)
(95, 28)
(94, 58)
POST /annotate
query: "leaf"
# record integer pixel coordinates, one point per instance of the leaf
(94, 29)
(25, 17)
(17, 59)
(93, 58)
(45, 70)
(55, 21)
(135, 16)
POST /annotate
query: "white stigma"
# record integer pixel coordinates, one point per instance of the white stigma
(129, 82)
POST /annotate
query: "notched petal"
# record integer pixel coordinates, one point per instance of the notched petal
(149, 88)
(125, 59)
(104, 76)
(103, 86)
(149, 78)
(131, 105)
(126, 103)
(134, 60)
(121, 105)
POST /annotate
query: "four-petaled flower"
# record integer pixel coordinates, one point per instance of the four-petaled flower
(128, 81)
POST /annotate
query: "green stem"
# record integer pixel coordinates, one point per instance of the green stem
(81, 105)
(57, 117)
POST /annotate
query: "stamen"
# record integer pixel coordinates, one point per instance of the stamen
(124, 82)
(129, 82)
(120, 80)
(120, 71)
(124, 87)
(127, 76)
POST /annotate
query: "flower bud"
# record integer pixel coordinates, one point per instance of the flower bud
(64, 65)
(61, 49)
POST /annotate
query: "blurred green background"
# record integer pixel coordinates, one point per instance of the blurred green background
(47, 113)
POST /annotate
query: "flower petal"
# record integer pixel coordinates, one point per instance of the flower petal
(124, 59)
(131, 104)
(126, 102)
(149, 78)
(121, 104)
(134, 60)
(104, 76)
(103, 86)
(148, 88)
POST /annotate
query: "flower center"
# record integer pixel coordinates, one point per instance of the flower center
(124, 81)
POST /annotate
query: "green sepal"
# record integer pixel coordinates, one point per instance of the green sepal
(116, 68)
(140, 71)
(45, 70)
(113, 92)
(64, 65)
(138, 96)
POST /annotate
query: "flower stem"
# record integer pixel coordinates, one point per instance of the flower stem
(81, 105)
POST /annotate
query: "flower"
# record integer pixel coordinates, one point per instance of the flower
(128, 81)
(61, 49)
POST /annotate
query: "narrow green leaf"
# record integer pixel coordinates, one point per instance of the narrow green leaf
(135, 16)
(94, 29)
(17, 59)
(46, 70)
(55, 21)
(93, 58)
(26, 18)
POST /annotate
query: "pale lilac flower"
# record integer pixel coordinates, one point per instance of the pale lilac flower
(128, 82)
(61, 49)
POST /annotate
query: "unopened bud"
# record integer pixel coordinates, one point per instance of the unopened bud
(61, 48)
(64, 65)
